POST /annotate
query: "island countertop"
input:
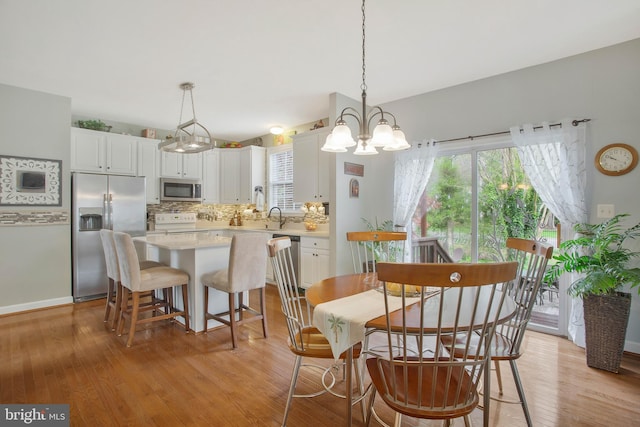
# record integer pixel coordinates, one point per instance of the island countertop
(180, 241)
(251, 226)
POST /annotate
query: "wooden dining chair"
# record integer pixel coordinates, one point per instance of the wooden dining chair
(422, 379)
(532, 257)
(305, 340)
(137, 282)
(370, 247)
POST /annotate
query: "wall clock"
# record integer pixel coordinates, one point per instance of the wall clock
(616, 159)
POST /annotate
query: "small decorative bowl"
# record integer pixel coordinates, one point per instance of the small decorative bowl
(310, 226)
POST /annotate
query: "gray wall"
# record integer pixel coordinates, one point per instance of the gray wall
(603, 85)
(36, 260)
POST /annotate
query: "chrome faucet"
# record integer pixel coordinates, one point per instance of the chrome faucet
(279, 210)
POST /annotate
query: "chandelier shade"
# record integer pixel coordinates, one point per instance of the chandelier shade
(185, 139)
(385, 136)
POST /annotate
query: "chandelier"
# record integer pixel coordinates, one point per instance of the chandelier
(385, 136)
(185, 139)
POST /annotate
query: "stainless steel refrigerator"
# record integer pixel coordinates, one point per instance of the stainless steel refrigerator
(113, 202)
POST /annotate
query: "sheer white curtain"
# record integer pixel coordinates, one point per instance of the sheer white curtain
(554, 160)
(412, 170)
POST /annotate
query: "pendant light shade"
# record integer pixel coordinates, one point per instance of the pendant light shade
(365, 149)
(399, 141)
(332, 147)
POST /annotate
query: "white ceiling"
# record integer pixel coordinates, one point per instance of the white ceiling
(259, 63)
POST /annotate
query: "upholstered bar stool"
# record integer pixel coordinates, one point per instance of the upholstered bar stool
(246, 271)
(138, 282)
(114, 293)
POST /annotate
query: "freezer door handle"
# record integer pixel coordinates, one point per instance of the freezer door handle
(107, 211)
(110, 205)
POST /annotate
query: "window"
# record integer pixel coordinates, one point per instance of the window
(477, 196)
(280, 177)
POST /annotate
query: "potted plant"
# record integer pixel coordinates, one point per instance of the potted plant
(382, 251)
(94, 125)
(605, 266)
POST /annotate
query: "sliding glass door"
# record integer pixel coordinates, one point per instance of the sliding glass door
(478, 196)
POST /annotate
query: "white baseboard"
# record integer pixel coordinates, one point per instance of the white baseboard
(35, 305)
(632, 347)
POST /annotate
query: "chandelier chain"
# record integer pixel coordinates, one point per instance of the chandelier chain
(363, 86)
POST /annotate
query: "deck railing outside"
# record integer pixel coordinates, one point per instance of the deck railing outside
(428, 249)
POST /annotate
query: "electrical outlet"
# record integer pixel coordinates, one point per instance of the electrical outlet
(605, 211)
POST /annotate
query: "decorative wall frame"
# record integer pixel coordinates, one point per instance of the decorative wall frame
(28, 181)
(353, 169)
(354, 188)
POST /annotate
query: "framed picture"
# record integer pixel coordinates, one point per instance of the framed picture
(353, 169)
(30, 182)
(354, 188)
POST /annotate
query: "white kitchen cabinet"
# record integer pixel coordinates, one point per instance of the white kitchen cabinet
(149, 167)
(314, 260)
(103, 152)
(178, 165)
(211, 177)
(241, 170)
(311, 167)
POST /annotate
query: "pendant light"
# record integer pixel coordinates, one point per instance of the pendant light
(385, 136)
(185, 139)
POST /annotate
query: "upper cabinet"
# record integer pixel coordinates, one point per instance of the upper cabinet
(311, 167)
(149, 167)
(178, 165)
(102, 152)
(211, 177)
(241, 171)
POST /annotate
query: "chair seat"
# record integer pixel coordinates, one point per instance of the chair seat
(316, 345)
(150, 264)
(161, 277)
(420, 379)
(501, 346)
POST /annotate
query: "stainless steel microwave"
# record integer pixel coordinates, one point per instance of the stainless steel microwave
(180, 190)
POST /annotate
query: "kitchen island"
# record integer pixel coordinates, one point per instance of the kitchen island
(196, 254)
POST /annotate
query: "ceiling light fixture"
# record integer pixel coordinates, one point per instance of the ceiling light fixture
(276, 130)
(185, 139)
(390, 138)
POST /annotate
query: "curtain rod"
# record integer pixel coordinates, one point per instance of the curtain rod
(472, 137)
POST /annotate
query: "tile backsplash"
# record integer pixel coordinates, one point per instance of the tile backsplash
(224, 211)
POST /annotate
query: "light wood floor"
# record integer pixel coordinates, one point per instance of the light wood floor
(168, 378)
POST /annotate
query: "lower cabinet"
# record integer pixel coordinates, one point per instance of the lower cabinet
(314, 260)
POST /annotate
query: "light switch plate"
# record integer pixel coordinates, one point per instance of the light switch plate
(605, 211)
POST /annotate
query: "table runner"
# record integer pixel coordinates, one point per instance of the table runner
(342, 321)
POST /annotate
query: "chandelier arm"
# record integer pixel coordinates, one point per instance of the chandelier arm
(375, 111)
(207, 132)
(346, 112)
(355, 115)
(394, 117)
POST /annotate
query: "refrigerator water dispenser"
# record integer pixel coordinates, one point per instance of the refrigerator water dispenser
(90, 220)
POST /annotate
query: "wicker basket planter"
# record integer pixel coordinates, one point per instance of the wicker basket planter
(606, 318)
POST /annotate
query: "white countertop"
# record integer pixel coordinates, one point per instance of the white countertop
(204, 226)
(180, 241)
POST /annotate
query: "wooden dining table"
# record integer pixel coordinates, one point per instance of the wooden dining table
(348, 287)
